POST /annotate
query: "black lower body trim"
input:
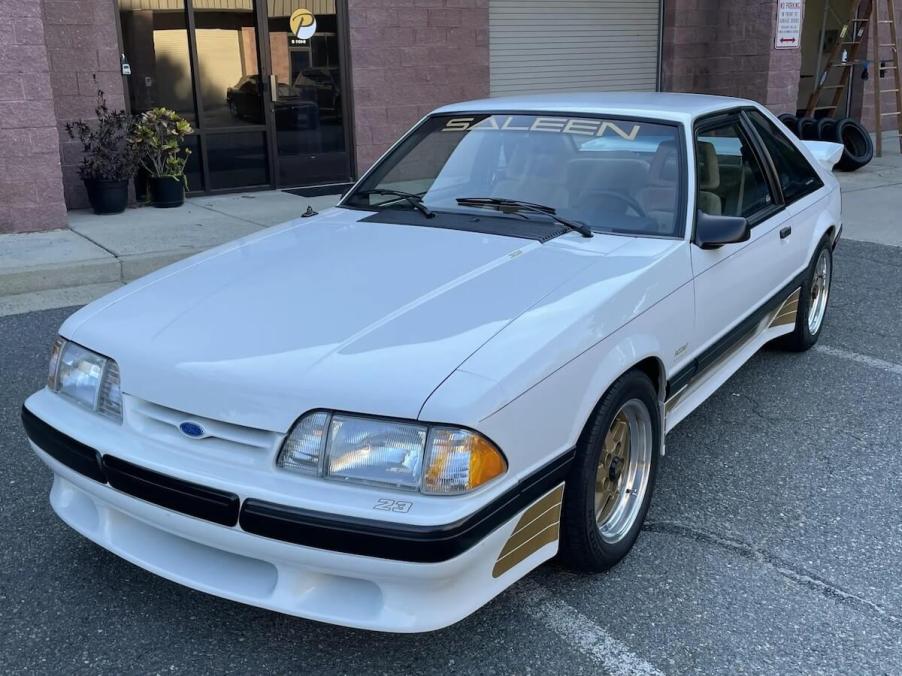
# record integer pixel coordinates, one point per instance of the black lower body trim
(367, 537)
(420, 544)
(73, 454)
(685, 375)
(181, 496)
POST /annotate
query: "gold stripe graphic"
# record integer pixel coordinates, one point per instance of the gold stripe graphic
(533, 528)
(538, 526)
(786, 313)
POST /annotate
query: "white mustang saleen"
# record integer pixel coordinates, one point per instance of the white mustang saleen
(384, 415)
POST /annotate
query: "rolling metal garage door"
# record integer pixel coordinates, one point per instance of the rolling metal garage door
(559, 45)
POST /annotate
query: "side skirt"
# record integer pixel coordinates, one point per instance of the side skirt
(694, 384)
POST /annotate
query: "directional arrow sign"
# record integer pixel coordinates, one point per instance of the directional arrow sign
(789, 24)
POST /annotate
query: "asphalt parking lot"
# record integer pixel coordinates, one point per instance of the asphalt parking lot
(773, 545)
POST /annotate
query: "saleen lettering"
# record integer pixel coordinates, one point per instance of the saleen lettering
(561, 125)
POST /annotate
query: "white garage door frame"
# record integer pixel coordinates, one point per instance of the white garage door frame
(573, 45)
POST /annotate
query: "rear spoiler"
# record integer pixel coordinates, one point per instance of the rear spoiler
(825, 152)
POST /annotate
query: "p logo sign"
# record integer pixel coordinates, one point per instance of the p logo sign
(302, 24)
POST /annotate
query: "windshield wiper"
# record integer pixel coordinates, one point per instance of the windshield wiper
(514, 206)
(416, 201)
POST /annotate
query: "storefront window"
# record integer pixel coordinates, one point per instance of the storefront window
(156, 51)
(229, 80)
(237, 160)
(260, 82)
(308, 105)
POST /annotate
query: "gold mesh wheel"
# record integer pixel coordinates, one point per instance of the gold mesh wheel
(624, 464)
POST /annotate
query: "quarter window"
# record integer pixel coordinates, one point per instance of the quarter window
(797, 177)
(730, 179)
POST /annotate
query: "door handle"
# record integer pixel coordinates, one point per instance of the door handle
(785, 232)
(273, 88)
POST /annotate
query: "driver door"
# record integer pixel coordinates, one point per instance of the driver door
(735, 279)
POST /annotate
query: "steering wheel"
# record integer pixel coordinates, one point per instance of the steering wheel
(626, 199)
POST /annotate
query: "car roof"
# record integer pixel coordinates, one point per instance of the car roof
(658, 105)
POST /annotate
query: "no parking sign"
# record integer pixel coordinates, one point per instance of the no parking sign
(789, 24)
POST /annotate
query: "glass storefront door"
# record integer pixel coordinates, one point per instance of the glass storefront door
(260, 81)
(306, 91)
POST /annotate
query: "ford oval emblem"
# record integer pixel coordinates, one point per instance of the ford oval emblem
(191, 429)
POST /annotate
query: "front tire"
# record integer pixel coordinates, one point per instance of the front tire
(613, 475)
(812, 300)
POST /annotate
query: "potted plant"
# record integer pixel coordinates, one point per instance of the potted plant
(110, 160)
(158, 135)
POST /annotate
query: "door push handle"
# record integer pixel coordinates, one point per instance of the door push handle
(273, 88)
(785, 232)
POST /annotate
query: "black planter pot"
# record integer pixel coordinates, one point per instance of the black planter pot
(107, 197)
(141, 185)
(165, 191)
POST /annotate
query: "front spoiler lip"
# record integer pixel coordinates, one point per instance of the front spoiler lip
(349, 535)
(343, 589)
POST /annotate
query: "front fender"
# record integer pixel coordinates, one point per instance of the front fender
(547, 419)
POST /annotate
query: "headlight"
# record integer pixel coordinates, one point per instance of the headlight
(85, 377)
(438, 460)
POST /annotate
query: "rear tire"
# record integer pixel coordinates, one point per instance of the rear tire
(812, 300)
(612, 478)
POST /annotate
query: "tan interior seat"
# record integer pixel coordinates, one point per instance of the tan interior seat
(708, 179)
(659, 197)
(535, 173)
(617, 174)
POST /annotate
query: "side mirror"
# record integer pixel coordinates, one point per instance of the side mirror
(712, 232)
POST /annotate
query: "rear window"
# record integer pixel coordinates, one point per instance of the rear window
(797, 177)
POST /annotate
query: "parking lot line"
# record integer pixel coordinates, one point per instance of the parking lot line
(580, 632)
(874, 362)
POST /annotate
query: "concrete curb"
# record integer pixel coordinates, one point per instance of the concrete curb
(107, 270)
(60, 276)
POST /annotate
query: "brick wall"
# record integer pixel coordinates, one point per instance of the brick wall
(81, 42)
(31, 193)
(714, 47)
(408, 57)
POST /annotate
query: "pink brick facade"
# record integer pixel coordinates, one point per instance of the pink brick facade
(31, 193)
(408, 57)
(714, 47)
(82, 43)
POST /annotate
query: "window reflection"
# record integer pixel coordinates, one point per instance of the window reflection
(292, 103)
(228, 75)
(308, 113)
(155, 41)
(236, 160)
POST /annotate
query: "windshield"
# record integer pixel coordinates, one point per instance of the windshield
(613, 175)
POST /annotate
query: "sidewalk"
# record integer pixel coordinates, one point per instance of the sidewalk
(96, 254)
(872, 197)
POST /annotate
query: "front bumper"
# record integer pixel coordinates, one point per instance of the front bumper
(353, 572)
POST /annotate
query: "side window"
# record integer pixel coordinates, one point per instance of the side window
(730, 179)
(797, 177)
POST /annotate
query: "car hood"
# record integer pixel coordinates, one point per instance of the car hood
(321, 312)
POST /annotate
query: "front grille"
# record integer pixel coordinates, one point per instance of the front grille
(162, 423)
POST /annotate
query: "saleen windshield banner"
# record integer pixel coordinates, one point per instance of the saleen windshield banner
(583, 126)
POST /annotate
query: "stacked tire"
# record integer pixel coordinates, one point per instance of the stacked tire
(858, 147)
